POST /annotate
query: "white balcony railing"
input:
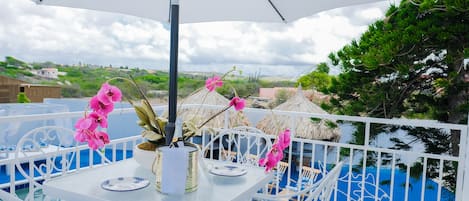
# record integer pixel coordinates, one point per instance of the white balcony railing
(372, 172)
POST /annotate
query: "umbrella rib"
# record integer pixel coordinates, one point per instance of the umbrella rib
(277, 11)
(169, 13)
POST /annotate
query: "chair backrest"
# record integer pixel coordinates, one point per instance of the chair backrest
(243, 145)
(44, 152)
(320, 190)
(281, 168)
(308, 176)
(278, 175)
(326, 184)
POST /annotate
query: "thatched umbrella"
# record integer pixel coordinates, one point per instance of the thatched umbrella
(305, 127)
(199, 114)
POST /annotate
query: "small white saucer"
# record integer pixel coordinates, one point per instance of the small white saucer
(228, 170)
(124, 184)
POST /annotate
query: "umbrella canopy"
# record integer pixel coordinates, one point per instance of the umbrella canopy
(212, 10)
(199, 114)
(304, 127)
(204, 11)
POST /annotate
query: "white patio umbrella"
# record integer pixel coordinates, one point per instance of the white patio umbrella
(204, 11)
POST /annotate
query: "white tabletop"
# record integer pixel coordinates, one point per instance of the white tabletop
(86, 185)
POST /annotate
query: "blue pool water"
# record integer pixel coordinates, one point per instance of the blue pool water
(414, 191)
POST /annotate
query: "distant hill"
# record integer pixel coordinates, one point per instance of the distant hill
(84, 80)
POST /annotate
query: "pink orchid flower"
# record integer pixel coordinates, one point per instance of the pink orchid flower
(85, 130)
(103, 136)
(213, 83)
(100, 107)
(109, 94)
(94, 143)
(284, 139)
(81, 135)
(86, 123)
(238, 103)
(97, 139)
(99, 119)
(102, 104)
(275, 154)
(278, 153)
(268, 162)
(271, 160)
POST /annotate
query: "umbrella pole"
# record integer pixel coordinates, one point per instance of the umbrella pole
(173, 73)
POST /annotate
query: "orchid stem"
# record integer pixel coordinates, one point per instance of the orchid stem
(213, 116)
(134, 83)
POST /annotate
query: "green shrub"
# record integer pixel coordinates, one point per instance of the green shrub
(22, 98)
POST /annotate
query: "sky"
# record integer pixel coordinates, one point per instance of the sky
(36, 33)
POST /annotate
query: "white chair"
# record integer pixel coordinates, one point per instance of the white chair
(320, 190)
(5, 196)
(243, 145)
(307, 178)
(45, 152)
(324, 189)
(42, 153)
(278, 175)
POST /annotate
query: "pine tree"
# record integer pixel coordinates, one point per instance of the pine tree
(410, 65)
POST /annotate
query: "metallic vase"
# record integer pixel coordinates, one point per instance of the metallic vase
(192, 170)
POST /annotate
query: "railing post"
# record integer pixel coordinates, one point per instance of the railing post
(464, 189)
(367, 133)
(227, 119)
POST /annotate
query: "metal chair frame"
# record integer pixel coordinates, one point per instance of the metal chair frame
(44, 153)
(242, 145)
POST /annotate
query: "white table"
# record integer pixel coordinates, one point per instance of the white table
(86, 185)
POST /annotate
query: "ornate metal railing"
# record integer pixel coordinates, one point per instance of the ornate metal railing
(371, 172)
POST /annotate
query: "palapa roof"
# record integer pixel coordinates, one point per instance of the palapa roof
(199, 114)
(305, 127)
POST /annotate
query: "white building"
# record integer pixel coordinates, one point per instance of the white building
(52, 73)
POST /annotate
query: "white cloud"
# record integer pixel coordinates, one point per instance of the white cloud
(39, 33)
(371, 14)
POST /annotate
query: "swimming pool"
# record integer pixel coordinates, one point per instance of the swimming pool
(384, 191)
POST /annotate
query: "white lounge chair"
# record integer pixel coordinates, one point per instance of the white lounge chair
(278, 175)
(324, 190)
(320, 190)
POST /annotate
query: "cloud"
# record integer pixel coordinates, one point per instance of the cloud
(64, 35)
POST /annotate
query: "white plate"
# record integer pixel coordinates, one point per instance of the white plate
(228, 170)
(125, 184)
